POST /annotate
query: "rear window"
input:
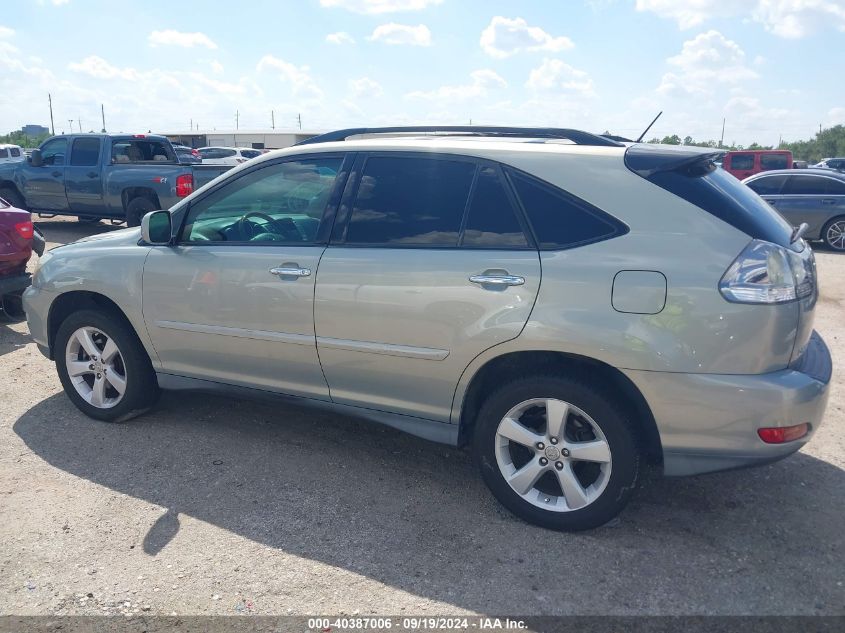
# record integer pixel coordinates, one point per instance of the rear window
(774, 161)
(742, 161)
(250, 153)
(139, 150)
(559, 219)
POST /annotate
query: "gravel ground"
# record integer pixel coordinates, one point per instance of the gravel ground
(214, 506)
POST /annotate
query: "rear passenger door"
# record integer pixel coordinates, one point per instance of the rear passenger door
(429, 265)
(83, 180)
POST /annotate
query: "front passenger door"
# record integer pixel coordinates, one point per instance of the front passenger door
(232, 301)
(44, 186)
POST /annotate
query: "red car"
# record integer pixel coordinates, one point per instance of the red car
(743, 164)
(18, 238)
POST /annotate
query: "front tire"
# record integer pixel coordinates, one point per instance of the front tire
(833, 233)
(556, 452)
(103, 367)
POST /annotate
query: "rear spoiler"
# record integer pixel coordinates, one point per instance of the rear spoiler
(647, 160)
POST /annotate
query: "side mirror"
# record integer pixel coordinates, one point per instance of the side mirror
(35, 158)
(156, 228)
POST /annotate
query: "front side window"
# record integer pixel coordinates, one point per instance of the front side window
(805, 186)
(85, 152)
(742, 161)
(53, 152)
(768, 185)
(404, 201)
(774, 161)
(561, 220)
(283, 202)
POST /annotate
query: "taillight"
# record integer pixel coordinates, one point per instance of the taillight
(195, 153)
(25, 229)
(768, 273)
(184, 185)
(783, 434)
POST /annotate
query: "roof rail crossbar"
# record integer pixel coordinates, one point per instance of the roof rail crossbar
(578, 137)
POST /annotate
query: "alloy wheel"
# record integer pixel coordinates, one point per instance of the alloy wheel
(835, 235)
(95, 367)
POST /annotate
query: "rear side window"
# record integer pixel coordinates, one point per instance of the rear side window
(410, 201)
(835, 187)
(85, 152)
(561, 220)
(742, 161)
(492, 221)
(15, 151)
(805, 186)
(768, 185)
(774, 161)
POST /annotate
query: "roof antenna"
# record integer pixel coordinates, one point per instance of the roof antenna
(645, 131)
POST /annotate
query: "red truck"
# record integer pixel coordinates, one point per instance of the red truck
(18, 238)
(743, 164)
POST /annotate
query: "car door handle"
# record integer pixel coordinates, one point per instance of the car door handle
(56, 174)
(770, 201)
(290, 271)
(497, 279)
(828, 201)
(91, 174)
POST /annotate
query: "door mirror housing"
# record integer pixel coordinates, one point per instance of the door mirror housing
(156, 228)
(35, 158)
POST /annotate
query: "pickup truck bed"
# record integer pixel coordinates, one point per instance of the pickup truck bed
(119, 177)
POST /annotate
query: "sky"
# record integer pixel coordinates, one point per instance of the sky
(770, 68)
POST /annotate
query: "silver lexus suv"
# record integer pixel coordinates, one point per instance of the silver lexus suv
(566, 305)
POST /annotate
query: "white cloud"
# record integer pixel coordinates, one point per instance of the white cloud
(555, 75)
(6, 32)
(504, 37)
(481, 81)
(704, 63)
(217, 67)
(785, 18)
(341, 37)
(299, 77)
(836, 116)
(365, 87)
(169, 37)
(393, 33)
(99, 68)
(377, 7)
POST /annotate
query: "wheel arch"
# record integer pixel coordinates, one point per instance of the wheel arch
(130, 193)
(520, 363)
(10, 184)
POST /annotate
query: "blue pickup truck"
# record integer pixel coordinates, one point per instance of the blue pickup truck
(102, 176)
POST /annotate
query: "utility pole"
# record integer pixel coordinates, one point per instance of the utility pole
(237, 119)
(52, 127)
(722, 140)
(191, 125)
(299, 120)
(272, 119)
(70, 124)
(80, 125)
(103, 114)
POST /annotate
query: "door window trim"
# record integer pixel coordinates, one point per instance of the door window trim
(339, 233)
(326, 220)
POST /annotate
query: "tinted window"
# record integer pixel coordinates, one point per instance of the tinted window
(492, 221)
(805, 185)
(774, 161)
(53, 152)
(559, 219)
(768, 185)
(4, 153)
(278, 203)
(141, 151)
(86, 152)
(835, 187)
(742, 161)
(15, 151)
(250, 153)
(403, 201)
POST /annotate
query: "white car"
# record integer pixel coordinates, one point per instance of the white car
(11, 153)
(227, 155)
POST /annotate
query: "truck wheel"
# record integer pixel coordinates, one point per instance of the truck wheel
(13, 197)
(104, 369)
(137, 209)
(556, 452)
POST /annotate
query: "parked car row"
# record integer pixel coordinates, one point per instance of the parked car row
(398, 280)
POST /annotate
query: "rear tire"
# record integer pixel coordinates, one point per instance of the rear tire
(13, 197)
(84, 370)
(576, 475)
(833, 233)
(11, 307)
(137, 209)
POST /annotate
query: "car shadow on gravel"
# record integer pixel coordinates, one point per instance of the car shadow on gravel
(11, 339)
(415, 515)
(65, 232)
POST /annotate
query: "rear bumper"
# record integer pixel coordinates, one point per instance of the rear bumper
(709, 422)
(15, 283)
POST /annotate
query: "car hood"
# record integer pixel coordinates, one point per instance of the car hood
(114, 238)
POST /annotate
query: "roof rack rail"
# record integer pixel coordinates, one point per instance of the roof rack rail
(578, 137)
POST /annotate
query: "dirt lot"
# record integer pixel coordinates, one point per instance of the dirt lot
(215, 506)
